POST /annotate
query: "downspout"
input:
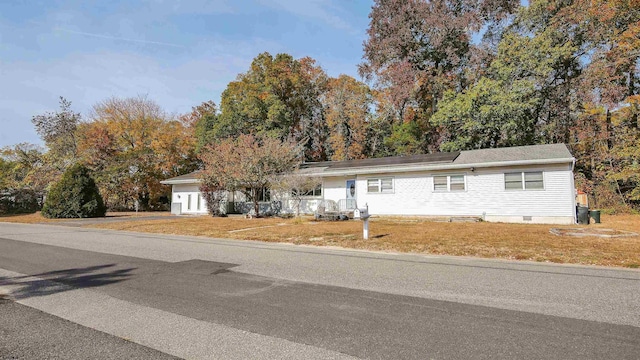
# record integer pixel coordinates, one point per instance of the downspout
(573, 188)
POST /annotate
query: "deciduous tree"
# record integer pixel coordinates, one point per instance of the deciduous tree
(58, 130)
(279, 96)
(131, 144)
(347, 104)
(293, 186)
(246, 163)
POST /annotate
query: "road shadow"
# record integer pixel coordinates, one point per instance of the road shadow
(52, 282)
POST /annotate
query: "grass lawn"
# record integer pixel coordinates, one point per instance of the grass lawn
(488, 240)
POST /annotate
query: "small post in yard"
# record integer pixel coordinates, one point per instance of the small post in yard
(365, 229)
(363, 214)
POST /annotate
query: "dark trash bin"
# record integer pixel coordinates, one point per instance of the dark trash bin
(583, 215)
(595, 215)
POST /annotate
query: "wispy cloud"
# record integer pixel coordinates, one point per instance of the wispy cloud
(109, 37)
(324, 10)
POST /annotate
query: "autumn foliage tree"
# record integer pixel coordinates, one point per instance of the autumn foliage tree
(131, 144)
(278, 96)
(416, 51)
(246, 163)
(347, 114)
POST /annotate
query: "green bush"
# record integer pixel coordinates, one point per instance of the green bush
(74, 196)
(19, 201)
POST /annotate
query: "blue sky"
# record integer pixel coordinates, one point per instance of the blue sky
(178, 53)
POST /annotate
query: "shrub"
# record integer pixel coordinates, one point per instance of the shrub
(74, 196)
(19, 201)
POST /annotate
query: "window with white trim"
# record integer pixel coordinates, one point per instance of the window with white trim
(380, 185)
(316, 192)
(524, 180)
(443, 183)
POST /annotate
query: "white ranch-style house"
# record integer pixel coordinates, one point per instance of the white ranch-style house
(525, 184)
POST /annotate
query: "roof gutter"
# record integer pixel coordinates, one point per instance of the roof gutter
(410, 168)
(177, 182)
(413, 168)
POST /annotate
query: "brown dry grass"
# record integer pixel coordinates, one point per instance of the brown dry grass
(26, 218)
(488, 240)
(36, 218)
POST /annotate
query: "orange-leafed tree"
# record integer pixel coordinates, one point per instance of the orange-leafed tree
(347, 104)
(246, 163)
(131, 144)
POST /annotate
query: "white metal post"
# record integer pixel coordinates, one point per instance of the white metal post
(365, 229)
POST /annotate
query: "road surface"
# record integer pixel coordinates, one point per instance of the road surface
(211, 298)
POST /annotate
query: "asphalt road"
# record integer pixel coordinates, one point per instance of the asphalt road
(202, 298)
(27, 333)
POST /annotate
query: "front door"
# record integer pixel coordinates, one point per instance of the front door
(351, 194)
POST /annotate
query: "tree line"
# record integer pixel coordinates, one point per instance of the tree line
(438, 75)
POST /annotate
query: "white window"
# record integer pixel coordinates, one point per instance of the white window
(380, 185)
(199, 205)
(440, 183)
(456, 183)
(189, 202)
(530, 180)
(449, 183)
(533, 180)
(316, 192)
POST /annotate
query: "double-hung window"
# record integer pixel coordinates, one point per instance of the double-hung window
(449, 183)
(315, 192)
(525, 180)
(380, 185)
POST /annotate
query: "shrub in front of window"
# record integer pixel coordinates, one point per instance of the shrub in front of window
(74, 196)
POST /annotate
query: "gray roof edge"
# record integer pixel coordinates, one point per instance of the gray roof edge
(511, 156)
(442, 167)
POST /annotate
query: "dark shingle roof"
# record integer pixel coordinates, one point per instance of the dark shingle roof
(447, 157)
(516, 153)
(491, 157)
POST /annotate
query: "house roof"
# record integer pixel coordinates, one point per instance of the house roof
(189, 178)
(446, 157)
(499, 157)
(518, 153)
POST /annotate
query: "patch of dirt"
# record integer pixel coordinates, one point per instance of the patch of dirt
(605, 233)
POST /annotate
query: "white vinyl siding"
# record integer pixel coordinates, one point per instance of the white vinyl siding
(380, 185)
(530, 180)
(443, 183)
(484, 195)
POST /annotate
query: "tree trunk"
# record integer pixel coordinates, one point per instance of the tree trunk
(256, 206)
